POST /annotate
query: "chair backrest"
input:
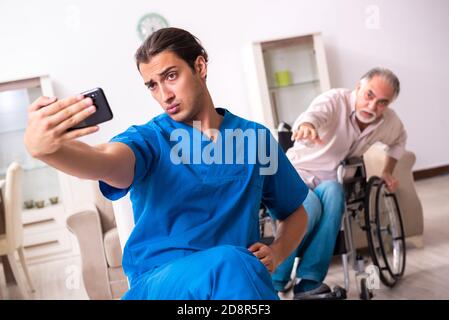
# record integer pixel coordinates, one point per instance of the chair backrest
(114, 214)
(285, 136)
(13, 206)
(124, 218)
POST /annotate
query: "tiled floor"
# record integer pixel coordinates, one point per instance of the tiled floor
(53, 280)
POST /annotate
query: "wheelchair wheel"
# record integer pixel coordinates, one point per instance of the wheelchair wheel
(385, 231)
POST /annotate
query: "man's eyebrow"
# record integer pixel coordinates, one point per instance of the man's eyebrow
(161, 74)
(167, 70)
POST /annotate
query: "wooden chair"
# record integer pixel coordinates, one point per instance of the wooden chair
(12, 240)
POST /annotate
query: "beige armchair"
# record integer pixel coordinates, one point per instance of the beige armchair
(101, 254)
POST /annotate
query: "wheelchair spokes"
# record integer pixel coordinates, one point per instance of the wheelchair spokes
(385, 232)
(392, 234)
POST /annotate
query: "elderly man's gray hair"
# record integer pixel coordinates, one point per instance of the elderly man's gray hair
(386, 74)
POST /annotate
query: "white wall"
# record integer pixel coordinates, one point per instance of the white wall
(96, 49)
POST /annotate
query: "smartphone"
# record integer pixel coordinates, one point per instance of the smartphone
(103, 112)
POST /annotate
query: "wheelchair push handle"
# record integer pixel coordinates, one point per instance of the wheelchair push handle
(352, 162)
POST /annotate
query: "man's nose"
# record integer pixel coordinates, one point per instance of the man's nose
(372, 105)
(166, 94)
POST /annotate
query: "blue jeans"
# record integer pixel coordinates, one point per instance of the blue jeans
(324, 206)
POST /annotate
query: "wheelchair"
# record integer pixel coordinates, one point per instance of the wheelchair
(371, 207)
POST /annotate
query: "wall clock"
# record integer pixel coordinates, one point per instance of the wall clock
(150, 23)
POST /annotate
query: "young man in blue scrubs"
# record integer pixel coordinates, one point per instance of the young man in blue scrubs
(197, 175)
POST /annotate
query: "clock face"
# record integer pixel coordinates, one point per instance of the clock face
(150, 23)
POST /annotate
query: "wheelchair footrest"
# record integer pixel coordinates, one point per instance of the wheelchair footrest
(338, 293)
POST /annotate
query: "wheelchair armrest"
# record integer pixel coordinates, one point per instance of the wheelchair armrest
(350, 168)
(354, 161)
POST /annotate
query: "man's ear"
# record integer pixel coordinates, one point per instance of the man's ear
(357, 87)
(201, 66)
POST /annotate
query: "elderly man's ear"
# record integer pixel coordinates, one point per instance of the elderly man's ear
(358, 86)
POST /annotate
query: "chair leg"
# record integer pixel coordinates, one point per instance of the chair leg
(2, 272)
(17, 276)
(25, 269)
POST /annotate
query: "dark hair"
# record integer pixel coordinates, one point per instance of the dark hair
(181, 42)
(387, 75)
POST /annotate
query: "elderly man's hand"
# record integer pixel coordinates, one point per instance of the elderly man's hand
(266, 255)
(391, 182)
(306, 132)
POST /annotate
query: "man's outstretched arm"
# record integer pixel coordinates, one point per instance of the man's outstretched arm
(47, 139)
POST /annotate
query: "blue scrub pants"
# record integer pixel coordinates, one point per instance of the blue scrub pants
(324, 206)
(221, 273)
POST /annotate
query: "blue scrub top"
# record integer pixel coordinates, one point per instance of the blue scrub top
(182, 208)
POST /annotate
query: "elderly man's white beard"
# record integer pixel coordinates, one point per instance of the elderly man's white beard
(362, 118)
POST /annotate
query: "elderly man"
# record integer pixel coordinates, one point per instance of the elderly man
(338, 124)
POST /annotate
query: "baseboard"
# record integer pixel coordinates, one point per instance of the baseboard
(430, 173)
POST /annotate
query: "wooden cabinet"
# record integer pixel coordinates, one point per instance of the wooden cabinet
(288, 74)
(45, 235)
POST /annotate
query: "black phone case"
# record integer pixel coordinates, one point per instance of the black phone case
(103, 112)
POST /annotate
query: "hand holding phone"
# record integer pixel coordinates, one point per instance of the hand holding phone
(103, 110)
(50, 121)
